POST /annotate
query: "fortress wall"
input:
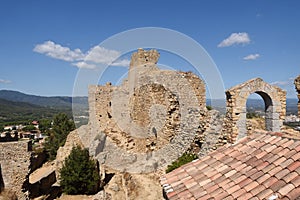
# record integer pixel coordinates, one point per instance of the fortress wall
(15, 165)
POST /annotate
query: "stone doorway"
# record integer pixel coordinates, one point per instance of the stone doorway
(236, 98)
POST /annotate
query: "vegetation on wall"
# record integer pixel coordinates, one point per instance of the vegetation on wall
(185, 158)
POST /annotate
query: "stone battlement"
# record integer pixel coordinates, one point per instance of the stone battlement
(143, 57)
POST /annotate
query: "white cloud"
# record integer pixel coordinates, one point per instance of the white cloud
(235, 38)
(252, 57)
(84, 65)
(89, 60)
(57, 51)
(99, 54)
(5, 81)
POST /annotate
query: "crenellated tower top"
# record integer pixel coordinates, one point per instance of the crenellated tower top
(143, 57)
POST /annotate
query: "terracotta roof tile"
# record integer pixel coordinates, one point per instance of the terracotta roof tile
(277, 185)
(298, 170)
(222, 195)
(238, 193)
(294, 165)
(268, 168)
(233, 189)
(286, 189)
(294, 194)
(283, 152)
(262, 165)
(277, 139)
(263, 178)
(257, 190)
(256, 175)
(251, 186)
(245, 196)
(257, 167)
(290, 177)
(286, 163)
(279, 161)
(282, 173)
(275, 170)
(264, 194)
(296, 181)
(296, 156)
(294, 145)
(288, 143)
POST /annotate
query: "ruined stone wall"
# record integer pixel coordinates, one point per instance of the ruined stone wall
(150, 110)
(297, 87)
(235, 121)
(15, 165)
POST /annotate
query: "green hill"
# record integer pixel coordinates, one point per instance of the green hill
(19, 112)
(17, 107)
(52, 102)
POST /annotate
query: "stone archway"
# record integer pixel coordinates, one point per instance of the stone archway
(297, 87)
(236, 98)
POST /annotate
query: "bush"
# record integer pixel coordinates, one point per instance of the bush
(185, 158)
(208, 107)
(251, 115)
(79, 174)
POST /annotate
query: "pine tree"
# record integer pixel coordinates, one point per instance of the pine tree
(62, 126)
(79, 174)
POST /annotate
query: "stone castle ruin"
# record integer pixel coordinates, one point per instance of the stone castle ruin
(147, 115)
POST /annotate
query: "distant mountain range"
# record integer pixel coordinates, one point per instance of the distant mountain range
(51, 102)
(16, 106)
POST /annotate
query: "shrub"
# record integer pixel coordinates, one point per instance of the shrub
(208, 107)
(185, 158)
(79, 174)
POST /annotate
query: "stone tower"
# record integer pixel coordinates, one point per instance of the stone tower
(142, 61)
(143, 57)
(297, 87)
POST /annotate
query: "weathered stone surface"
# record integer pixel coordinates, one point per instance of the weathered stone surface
(149, 120)
(41, 180)
(297, 87)
(15, 166)
(234, 126)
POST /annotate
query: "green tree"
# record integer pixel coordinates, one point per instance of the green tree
(79, 174)
(29, 128)
(45, 125)
(61, 127)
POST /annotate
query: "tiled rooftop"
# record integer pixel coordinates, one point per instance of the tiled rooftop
(257, 167)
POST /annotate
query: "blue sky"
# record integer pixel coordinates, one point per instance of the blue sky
(43, 44)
